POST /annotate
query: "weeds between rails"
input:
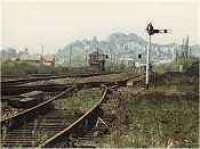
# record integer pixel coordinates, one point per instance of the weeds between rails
(41, 106)
(79, 133)
(31, 111)
(35, 131)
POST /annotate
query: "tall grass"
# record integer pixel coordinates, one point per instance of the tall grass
(24, 68)
(157, 122)
(162, 120)
(174, 66)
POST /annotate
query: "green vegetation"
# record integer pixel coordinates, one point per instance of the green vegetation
(80, 101)
(26, 67)
(30, 67)
(76, 105)
(174, 88)
(83, 100)
(185, 62)
(174, 66)
(118, 68)
(41, 137)
(157, 123)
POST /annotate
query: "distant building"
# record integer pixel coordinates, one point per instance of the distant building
(48, 60)
(27, 57)
(24, 55)
(36, 59)
(97, 60)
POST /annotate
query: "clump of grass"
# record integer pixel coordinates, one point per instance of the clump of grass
(163, 120)
(82, 100)
(41, 137)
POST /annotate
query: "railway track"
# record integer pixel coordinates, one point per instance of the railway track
(43, 78)
(60, 133)
(22, 117)
(29, 133)
(23, 89)
(20, 86)
(36, 131)
(8, 121)
(11, 90)
(81, 133)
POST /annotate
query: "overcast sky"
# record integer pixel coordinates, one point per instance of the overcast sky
(54, 24)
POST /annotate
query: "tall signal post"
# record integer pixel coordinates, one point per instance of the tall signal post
(151, 31)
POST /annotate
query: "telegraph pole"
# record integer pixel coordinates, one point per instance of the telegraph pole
(151, 31)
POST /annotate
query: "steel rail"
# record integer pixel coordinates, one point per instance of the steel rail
(14, 90)
(43, 78)
(76, 124)
(73, 127)
(19, 118)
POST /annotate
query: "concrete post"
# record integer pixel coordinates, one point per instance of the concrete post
(148, 62)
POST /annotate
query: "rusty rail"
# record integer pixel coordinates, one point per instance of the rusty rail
(51, 142)
(31, 112)
(16, 90)
(56, 138)
(24, 115)
(43, 78)
(10, 90)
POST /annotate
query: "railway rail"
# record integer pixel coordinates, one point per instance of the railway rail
(16, 90)
(17, 133)
(56, 122)
(79, 131)
(59, 132)
(14, 121)
(19, 118)
(14, 128)
(43, 78)
(53, 87)
(32, 133)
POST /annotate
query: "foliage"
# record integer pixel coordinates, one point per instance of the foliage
(185, 62)
(153, 123)
(82, 100)
(174, 66)
(162, 120)
(24, 67)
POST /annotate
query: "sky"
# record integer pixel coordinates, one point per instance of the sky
(54, 24)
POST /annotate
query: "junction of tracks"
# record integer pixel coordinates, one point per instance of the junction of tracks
(62, 128)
